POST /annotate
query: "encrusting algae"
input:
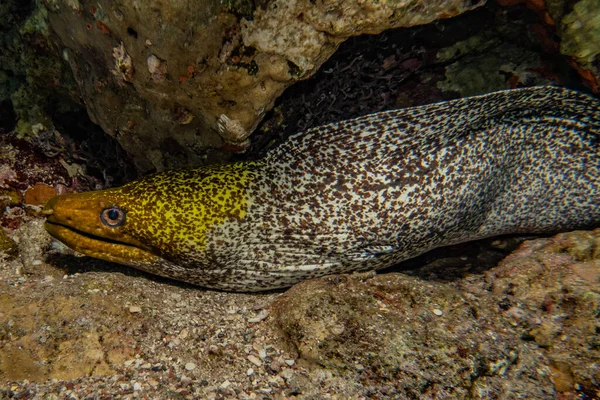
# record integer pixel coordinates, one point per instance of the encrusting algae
(354, 195)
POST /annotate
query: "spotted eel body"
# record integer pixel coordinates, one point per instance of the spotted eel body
(355, 195)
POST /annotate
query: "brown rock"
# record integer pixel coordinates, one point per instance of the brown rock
(390, 327)
(527, 327)
(562, 376)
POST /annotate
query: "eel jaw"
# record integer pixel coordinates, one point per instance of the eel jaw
(98, 247)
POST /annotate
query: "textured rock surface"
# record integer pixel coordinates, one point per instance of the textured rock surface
(527, 328)
(159, 77)
(405, 337)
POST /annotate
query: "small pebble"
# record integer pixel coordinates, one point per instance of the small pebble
(275, 366)
(137, 386)
(254, 360)
(290, 362)
(259, 317)
(287, 374)
(190, 366)
(184, 333)
(276, 380)
(250, 371)
(135, 309)
(437, 312)
(225, 385)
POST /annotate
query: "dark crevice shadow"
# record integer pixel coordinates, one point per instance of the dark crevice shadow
(71, 264)
(452, 263)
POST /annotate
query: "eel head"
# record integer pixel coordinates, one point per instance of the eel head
(96, 224)
(158, 220)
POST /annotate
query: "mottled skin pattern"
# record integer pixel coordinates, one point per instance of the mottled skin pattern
(357, 195)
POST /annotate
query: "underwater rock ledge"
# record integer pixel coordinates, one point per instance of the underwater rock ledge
(528, 327)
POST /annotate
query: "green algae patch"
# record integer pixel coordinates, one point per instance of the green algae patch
(7, 245)
(581, 33)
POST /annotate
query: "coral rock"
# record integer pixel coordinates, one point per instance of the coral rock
(527, 327)
(138, 66)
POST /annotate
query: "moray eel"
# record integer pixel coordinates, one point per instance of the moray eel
(354, 195)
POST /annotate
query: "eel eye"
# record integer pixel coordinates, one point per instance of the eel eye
(112, 216)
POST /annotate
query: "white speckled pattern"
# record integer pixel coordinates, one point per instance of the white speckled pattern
(370, 192)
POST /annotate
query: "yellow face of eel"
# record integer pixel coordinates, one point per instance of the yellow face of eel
(164, 216)
(94, 224)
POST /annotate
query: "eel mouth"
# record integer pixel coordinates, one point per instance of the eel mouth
(99, 247)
